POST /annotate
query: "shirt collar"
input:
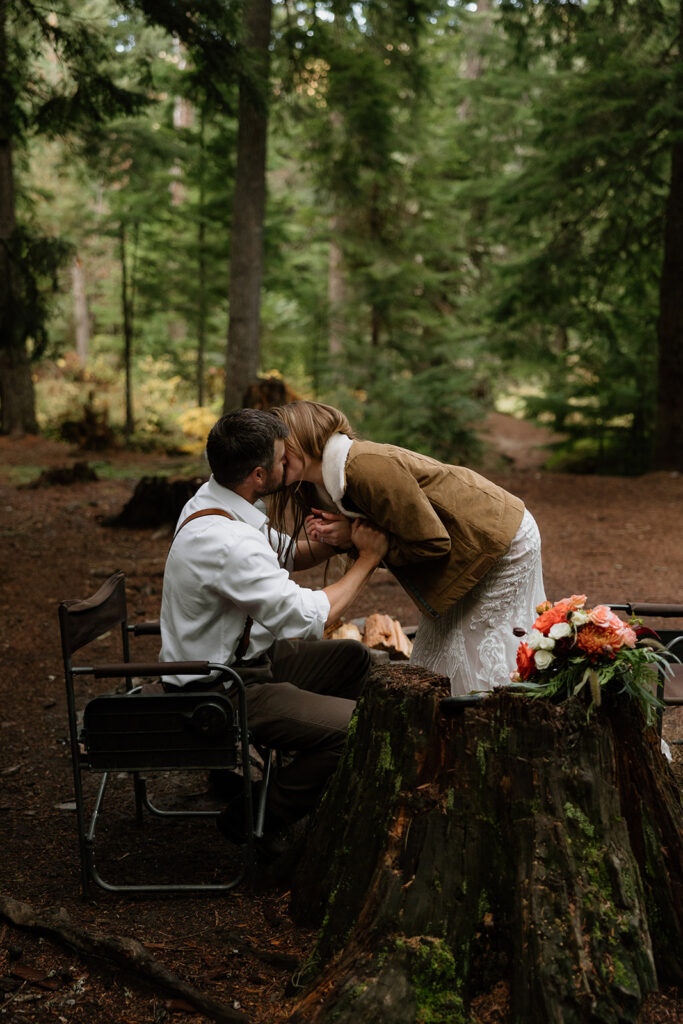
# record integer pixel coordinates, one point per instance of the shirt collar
(335, 453)
(255, 515)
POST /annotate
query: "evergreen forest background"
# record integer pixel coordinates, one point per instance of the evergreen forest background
(418, 211)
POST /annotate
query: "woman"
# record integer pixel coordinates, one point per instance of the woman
(466, 551)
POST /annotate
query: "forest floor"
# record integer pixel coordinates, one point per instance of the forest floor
(614, 539)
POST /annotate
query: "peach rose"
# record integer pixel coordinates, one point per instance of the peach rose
(627, 634)
(603, 616)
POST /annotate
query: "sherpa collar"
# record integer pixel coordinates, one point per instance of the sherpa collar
(335, 453)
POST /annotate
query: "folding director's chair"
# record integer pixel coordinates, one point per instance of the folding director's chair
(135, 732)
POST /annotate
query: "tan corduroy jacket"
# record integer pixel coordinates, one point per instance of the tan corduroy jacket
(448, 524)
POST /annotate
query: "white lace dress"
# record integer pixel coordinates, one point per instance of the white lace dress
(473, 643)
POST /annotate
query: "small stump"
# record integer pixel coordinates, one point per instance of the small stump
(156, 501)
(514, 848)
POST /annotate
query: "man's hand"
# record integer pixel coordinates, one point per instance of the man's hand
(329, 528)
(369, 540)
(372, 545)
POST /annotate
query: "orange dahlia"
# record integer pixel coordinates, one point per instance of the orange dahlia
(595, 640)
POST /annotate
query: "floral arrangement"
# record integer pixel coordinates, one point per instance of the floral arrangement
(571, 646)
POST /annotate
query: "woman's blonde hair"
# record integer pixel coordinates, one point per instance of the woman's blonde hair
(311, 425)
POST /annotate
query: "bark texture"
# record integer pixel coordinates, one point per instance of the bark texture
(246, 261)
(514, 842)
(81, 313)
(17, 408)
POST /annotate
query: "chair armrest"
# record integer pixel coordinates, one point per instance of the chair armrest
(126, 669)
(450, 706)
(151, 628)
(663, 611)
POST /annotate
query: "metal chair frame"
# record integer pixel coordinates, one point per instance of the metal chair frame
(175, 732)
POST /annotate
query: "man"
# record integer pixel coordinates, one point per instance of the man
(222, 571)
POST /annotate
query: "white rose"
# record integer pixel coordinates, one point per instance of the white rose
(537, 641)
(534, 638)
(543, 659)
(579, 618)
(559, 630)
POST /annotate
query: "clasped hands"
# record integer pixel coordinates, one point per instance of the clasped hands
(339, 532)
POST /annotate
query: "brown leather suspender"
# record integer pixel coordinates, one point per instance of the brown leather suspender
(202, 512)
(243, 642)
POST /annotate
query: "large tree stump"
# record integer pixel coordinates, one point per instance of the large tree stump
(515, 846)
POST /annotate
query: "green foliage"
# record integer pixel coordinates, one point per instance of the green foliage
(579, 201)
(493, 184)
(53, 79)
(167, 417)
(429, 408)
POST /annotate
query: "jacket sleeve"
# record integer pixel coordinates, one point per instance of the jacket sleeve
(390, 496)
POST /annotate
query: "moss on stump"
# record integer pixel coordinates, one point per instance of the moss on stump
(516, 843)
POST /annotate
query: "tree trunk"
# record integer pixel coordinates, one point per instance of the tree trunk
(202, 301)
(17, 409)
(17, 402)
(474, 60)
(668, 447)
(81, 315)
(246, 261)
(127, 316)
(513, 847)
(336, 291)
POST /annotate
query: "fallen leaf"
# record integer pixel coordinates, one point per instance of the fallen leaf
(179, 1006)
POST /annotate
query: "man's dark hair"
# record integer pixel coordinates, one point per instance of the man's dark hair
(241, 441)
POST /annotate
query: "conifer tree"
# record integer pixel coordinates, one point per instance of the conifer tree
(578, 208)
(668, 447)
(35, 98)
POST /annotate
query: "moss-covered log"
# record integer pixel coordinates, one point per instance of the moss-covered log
(516, 846)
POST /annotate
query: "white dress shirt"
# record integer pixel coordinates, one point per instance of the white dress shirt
(217, 572)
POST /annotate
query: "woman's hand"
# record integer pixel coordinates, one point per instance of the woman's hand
(329, 528)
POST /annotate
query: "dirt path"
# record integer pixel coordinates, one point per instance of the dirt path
(613, 539)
